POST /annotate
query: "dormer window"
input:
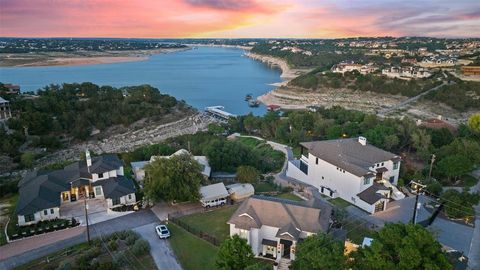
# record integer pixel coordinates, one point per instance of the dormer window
(100, 175)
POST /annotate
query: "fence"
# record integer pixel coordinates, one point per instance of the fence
(205, 236)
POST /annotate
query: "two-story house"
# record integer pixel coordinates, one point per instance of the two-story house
(351, 169)
(43, 192)
(273, 227)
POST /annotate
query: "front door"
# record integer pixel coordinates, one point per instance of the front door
(286, 247)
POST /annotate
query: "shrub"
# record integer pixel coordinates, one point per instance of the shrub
(435, 188)
(93, 252)
(131, 238)
(140, 247)
(112, 245)
(123, 234)
(65, 265)
(120, 258)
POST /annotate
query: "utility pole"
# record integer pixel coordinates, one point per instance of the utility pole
(86, 218)
(415, 207)
(431, 167)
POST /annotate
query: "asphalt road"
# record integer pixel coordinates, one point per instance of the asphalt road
(159, 248)
(127, 222)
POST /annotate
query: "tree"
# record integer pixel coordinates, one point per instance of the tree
(474, 122)
(319, 252)
(247, 174)
(421, 141)
(459, 204)
(401, 246)
(27, 159)
(175, 178)
(234, 254)
(455, 166)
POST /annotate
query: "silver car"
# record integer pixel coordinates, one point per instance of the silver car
(162, 231)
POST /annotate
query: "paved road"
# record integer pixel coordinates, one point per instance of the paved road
(410, 100)
(118, 224)
(474, 255)
(159, 248)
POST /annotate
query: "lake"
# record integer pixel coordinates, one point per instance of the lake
(205, 76)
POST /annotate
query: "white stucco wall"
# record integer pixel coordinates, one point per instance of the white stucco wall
(40, 216)
(123, 200)
(106, 175)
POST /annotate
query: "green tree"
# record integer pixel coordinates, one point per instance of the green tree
(421, 141)
(234, 254)
(474, 122)
(27, 159)
(459, 204)
(454, 166)
(401, 246)
(176, 178)
(319, 252)
(247, 174)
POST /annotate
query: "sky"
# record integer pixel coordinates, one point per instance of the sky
(239, 18)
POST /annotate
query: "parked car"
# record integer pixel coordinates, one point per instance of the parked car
(162, 231)
(216, 202)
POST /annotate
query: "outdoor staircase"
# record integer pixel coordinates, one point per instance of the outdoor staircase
(396, 193)
(284, 264)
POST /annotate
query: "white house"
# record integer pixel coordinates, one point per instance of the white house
(351, 169)
(351, 66)
(138, 167)
(272, 227)
(43, 193)
(406, 72)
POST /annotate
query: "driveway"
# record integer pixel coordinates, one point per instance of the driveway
(97, 211)
(450, 234)
(162, 209)
(159, 248)
(40, 247)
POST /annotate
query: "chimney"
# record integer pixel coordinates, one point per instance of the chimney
(88, 159)
(362, 140)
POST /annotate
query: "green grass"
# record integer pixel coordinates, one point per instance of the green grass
(213, 222)
(252, 142)
(469, 180)
(289, 196)
(192, 252)
(340, 202)
(265, 187)
(10, 212)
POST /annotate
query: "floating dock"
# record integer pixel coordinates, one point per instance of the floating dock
(219, 112)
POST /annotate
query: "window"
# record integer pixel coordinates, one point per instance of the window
(100, 175)
(98, 190)
(316, 161)
(29, 217)
(323, 177)
(366, 181)
(115, 201)
(129, 196)
(395, 165)
(243, 234)
(52, 211)
(392, 179)
(382, 163)
(45, 212)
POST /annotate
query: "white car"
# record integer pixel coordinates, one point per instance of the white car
(162, 231)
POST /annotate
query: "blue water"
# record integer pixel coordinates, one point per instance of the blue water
(202, 77)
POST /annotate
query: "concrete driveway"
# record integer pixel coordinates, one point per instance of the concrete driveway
(97, 211)
(159, 248)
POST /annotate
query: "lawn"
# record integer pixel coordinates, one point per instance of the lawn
(252, 142)
(192, 252)
(289, 196)
(213, 222)
(265, 187)
(195, 253)
(6, 213)
(340, 202)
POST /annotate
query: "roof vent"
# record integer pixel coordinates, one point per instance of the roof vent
(362, 140)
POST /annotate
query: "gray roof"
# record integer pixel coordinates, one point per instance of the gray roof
(289, 232)
(286, 215)
(348, 154)
(371, 195)
(116, 187)
(42, 189)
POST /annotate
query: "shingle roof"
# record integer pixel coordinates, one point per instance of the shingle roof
(116, 187)
(283, 214)
(371, 194)
(214, 191)
(348, 154)
(42, 189)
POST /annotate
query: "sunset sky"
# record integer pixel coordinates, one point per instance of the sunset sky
(240, 18)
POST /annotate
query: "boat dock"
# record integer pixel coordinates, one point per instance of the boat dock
(219, 112)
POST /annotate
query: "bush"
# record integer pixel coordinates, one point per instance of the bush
(120, 258)
(123, 234)
(131, 238)
(140, 247)
(65, 265)
(435, 188)
(112, 245)
(93, 252)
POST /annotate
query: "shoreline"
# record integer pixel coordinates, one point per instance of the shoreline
(77, 59)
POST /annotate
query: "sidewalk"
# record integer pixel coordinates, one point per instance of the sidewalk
(37, 241)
